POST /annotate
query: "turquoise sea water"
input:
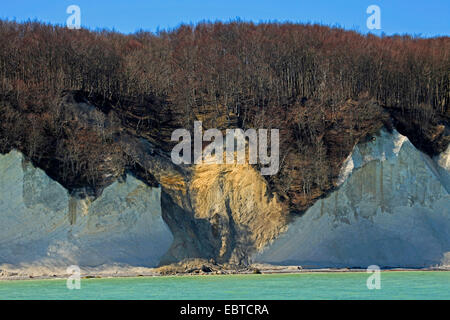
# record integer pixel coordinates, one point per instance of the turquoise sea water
(394, 285)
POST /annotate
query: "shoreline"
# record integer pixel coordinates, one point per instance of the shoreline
(138, 272)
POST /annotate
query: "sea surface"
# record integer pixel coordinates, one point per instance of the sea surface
(349, 285)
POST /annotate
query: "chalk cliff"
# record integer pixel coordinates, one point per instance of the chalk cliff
(86, 125)
(392, 209)
(42, 225)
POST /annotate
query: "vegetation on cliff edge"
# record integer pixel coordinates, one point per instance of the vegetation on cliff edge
(324, 88)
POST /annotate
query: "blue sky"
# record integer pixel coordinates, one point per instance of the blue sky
(417, 17)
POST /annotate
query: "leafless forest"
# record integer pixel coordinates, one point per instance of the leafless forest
(324, 88)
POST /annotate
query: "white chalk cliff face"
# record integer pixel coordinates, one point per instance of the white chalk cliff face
(392, 209)
(41, 225)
